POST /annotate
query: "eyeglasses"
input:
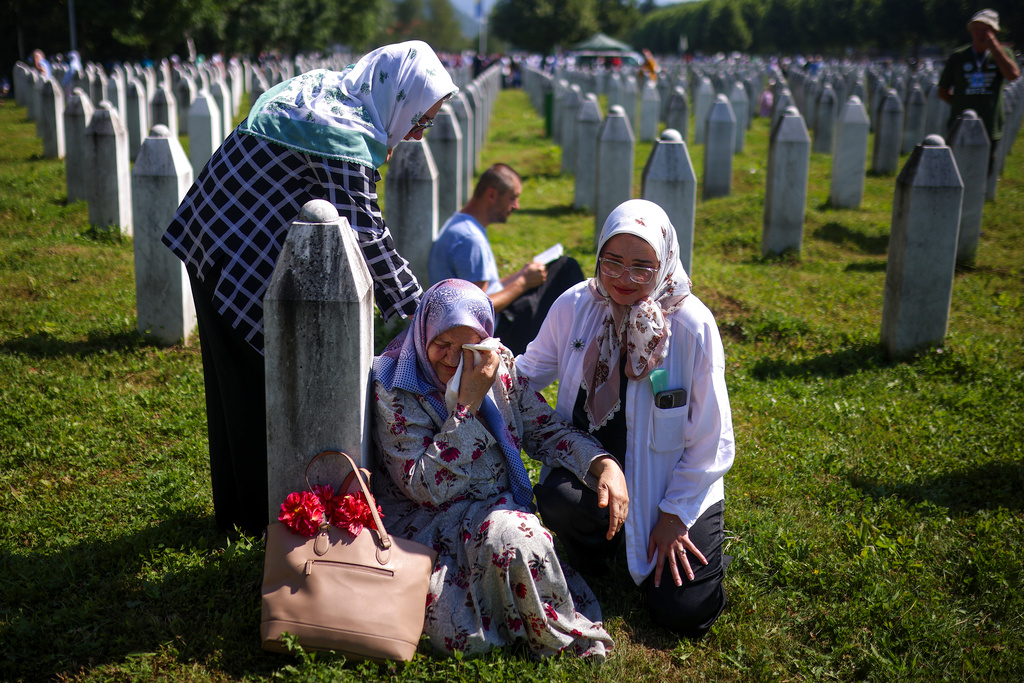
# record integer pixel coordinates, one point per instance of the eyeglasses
(638, 274)
(421, 125)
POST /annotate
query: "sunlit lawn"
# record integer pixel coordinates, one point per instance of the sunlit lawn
(875, 510)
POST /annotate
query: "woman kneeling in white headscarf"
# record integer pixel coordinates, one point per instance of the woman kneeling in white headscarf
(640, 365)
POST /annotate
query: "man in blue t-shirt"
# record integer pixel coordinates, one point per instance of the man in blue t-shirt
(462, 250)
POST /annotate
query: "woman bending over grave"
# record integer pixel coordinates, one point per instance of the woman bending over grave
(449, 428)
(640, 366)
(321, 135)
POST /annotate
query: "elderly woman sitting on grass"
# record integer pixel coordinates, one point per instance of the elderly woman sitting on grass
(453, 479)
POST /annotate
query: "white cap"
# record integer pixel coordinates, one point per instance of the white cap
(986, 16)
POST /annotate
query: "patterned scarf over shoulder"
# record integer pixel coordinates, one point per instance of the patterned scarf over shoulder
(356, 114)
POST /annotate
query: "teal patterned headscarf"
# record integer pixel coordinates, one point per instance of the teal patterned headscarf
(356, 114)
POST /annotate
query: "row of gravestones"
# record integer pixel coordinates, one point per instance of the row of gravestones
(330, 411)
(909, 97)
(142, 96)
(918, 292)
(139, 200)
(427, 180)
(923, 112)
(940, 188)
(199, 101)
(92, 134)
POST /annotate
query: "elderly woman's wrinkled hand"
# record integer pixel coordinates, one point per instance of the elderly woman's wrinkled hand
(477, 380)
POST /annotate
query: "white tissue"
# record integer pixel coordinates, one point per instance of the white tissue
(451, 393)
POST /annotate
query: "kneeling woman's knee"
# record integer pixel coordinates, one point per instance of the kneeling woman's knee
(502, 528)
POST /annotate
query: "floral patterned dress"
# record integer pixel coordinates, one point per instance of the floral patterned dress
(497, 580)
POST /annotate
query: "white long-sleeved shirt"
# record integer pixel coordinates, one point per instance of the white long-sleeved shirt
(676, 458)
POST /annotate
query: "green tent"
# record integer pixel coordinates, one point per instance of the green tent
(599, 46)
(599, 42)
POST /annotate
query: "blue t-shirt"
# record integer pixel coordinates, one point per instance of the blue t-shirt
(461, 250)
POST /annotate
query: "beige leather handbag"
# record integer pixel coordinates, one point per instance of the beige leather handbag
(362, 596)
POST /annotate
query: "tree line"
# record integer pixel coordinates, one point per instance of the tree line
(828, 27)
(136, 29)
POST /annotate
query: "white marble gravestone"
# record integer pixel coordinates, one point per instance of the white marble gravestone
(719, 149)
(670, 182)
(165, 109)
(318, 314)
(678, 116)
(913, 119)
(222, 97)
(588, 127)
(922, 249)
(77, 116)
(185, 92)
(467, 124)
(571, 103)
(411, 196)
(136, 113)
(614, 180)
(825, 121)
(204, 131)
(849, 155)
(110, 189)
(970, 145)
(51, 119)
(885, 158)
(789, 155)
(650, 111)
(163, 296)
(740, 104)
(445, 142)
(704, 99)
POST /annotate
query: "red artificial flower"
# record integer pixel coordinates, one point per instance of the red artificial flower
(324, 492)
(351, 512)
(303, 513)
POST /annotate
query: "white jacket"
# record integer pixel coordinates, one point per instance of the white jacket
(676, 457)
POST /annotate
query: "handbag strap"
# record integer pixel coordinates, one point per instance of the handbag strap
(385, 539)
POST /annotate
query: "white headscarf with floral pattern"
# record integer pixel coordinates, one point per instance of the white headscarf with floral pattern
(356, 114)
(640, 327)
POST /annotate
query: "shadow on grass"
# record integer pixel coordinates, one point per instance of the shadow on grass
(790, 258)
(983, 269)
(176, 583)
(837, 233)
(45, 345)
(867, 356)
(866, 267)
(551, 211)
(979, 487)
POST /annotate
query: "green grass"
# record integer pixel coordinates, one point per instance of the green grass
(875, 510)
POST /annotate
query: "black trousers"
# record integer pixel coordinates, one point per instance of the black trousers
(236, 419)
(518, 324)
(569, 508)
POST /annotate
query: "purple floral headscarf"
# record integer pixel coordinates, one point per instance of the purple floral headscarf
(449, 303)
